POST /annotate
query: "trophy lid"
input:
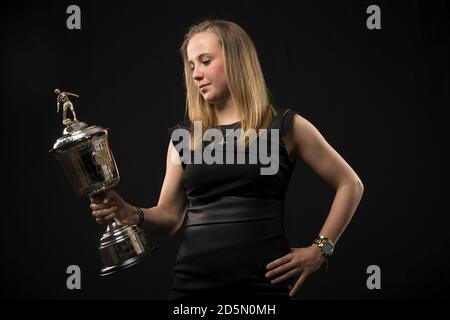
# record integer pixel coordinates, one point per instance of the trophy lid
(77, 132)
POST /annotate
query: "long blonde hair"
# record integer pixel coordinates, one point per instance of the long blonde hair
(243, 73)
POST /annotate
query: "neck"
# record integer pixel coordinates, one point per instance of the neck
(227, 113)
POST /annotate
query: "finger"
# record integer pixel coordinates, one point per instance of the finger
(109, 201)
(103, 206)
(298, 284)
(109, 217)
(100, 197)
(96, 207)
(103, 213)
(100, 220)
(111, 195)
(285, 259)
(95, 199)
(279, 270)
(286, 276)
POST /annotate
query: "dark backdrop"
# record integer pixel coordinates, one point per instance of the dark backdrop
(378, 97)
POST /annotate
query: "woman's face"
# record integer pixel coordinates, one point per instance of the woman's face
(208, 67)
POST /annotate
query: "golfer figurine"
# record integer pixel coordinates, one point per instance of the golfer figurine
(67, 104)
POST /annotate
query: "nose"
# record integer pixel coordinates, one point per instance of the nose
(197, 74)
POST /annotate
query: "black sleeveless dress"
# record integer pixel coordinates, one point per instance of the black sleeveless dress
(233, 225)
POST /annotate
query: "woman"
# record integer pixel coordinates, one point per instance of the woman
(234, 241)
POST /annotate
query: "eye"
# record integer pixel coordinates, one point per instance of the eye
(205, 62)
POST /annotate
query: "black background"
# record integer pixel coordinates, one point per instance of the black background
(378, 97)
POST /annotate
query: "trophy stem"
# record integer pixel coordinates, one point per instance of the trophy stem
(115, 224)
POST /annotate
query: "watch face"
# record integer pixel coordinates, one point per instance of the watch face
(327, 248)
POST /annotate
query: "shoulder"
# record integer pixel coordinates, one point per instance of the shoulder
(302, 135)
(290, 123)
(184, 124)
(294, 123)
(284, 119)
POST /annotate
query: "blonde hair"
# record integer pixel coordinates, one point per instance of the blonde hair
(243, 73)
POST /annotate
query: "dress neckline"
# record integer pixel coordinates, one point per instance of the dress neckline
(228, 124)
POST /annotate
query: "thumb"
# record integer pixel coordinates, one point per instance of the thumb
(112, 197)
(108, 196)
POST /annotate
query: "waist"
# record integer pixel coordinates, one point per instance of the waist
(230, 209)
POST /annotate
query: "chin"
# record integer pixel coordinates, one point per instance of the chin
(209, 99)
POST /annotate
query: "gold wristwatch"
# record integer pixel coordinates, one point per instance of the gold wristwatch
(325, 246)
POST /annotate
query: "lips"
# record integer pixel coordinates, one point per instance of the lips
(202, 86)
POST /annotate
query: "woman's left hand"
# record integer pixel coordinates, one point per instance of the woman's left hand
(299, 264)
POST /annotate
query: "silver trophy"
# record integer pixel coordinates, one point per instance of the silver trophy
(84, 153)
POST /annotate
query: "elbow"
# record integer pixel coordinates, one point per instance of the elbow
(166, 222)
(173, 229)
(356, 185)
(175, 224)
(359, 189)
(360, 185)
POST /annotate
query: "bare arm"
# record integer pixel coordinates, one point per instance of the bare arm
(305, 142)
(164, 218)
(167, 216)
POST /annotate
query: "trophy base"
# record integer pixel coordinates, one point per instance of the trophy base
(123, 246)
(109, 270)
